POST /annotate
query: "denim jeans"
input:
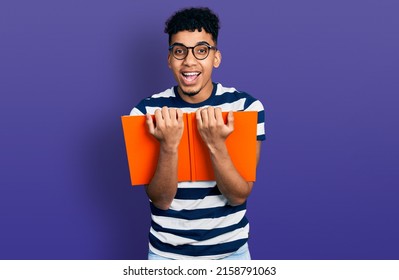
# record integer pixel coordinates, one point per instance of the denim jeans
(241, 254)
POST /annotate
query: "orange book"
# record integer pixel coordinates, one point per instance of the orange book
(194, 160)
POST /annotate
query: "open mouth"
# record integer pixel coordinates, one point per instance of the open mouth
(190, 76)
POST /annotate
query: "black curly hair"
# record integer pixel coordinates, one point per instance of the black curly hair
(192, 19)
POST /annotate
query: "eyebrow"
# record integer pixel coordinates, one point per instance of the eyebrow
(198, 43)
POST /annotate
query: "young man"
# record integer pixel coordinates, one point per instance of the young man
(204, 220)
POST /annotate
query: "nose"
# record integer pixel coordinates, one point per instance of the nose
(190, 58)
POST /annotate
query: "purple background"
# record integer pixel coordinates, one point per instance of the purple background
(326, 71)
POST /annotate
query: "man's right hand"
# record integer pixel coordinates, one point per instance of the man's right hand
(168, 127)
(168, 130)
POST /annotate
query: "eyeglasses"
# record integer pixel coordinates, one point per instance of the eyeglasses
(200, 51)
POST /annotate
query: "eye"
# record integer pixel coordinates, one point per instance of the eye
(201, 50)
(178, 50)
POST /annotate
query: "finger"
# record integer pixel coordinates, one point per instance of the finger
(172, 115)
(158, 118)
(198, 117)
(166, 116)
(211, 116)
(230, 120)
(219, 116)
(150, 124)
(204, 117)
(165, 113)
(179, 115)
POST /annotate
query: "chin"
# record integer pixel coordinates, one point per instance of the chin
(189, 92)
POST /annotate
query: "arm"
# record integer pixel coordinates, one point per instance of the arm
(214, 132)
(168, 130)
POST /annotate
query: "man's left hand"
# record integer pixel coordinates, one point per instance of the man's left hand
(212, 128)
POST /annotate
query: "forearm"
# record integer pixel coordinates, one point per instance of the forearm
(168, 130)
(163, 186)
(229, 181)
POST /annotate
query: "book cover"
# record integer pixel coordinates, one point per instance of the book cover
(194, 159)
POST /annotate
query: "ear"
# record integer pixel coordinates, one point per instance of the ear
(169, 58)
(217, 59)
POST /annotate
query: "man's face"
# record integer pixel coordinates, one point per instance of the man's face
(194, 77)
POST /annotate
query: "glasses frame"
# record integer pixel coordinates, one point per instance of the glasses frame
(192, 50)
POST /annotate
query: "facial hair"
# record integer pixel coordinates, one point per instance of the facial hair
(189, 93)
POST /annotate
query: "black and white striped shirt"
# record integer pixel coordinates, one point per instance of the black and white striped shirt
(200, 223)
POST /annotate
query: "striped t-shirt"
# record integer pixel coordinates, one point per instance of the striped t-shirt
(200, 223)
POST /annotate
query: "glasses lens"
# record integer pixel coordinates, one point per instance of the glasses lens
(179, 52)
(201, 51)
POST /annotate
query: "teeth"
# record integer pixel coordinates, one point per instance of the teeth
(191, 74)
